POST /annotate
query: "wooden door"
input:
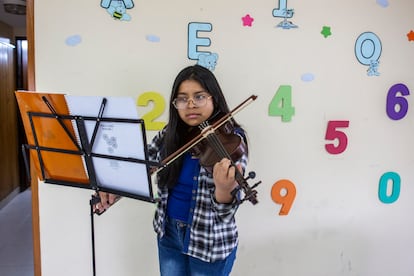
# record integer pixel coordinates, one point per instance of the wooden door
(9, 148)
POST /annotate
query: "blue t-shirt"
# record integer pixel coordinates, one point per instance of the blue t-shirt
(181, 196)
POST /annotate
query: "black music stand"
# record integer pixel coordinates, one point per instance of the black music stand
(83, 145)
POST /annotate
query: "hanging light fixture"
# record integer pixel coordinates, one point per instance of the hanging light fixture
(17, 7)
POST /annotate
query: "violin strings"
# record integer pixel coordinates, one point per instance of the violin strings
(222, 152)
(218, 146)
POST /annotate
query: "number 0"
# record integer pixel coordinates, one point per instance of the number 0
(383, 187)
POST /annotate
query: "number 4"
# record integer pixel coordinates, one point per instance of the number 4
(281, 104)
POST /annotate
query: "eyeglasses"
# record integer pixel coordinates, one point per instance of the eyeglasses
(198, 100)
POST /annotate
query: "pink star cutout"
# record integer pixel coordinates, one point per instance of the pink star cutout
(410, 35)
(247, 20)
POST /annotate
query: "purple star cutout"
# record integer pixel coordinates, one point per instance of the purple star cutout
(247, 20)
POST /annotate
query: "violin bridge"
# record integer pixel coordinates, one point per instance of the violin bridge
(206, 129)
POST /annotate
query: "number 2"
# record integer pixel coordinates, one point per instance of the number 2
(158, 109)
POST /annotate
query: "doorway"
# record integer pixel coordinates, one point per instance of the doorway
(22, 84)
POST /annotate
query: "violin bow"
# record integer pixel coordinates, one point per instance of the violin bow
(174, 156)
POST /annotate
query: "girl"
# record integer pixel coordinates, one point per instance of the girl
(194, 220)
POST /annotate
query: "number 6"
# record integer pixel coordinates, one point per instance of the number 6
(394, 101)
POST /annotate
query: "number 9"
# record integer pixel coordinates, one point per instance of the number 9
(288, 196)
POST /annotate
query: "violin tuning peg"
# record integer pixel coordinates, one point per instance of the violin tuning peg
(250, 175)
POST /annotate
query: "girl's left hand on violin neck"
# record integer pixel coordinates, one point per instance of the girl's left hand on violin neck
(224, 179)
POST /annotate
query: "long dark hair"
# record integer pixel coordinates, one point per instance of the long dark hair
(177, 131)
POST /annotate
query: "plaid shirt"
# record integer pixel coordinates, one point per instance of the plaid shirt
(213, 230)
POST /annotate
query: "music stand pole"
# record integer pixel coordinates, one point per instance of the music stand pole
(94, 200)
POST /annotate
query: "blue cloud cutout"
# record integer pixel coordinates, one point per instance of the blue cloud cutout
(307, 77)
(383, 3)
(73, 40)
(153, 38)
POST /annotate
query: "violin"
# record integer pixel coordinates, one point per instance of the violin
(209, 151)
(217, 139)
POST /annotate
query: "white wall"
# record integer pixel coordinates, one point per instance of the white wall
(337, 224)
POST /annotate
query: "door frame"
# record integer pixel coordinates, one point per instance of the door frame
(31, 86)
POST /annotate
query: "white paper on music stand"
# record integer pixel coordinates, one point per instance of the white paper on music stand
(115, 139)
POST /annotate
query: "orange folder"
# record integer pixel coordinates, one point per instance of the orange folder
(50, 134)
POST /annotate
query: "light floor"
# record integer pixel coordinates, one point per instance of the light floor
(16, 241)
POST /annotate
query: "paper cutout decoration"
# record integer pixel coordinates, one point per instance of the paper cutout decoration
(117, 8)
(204, 58)
(152, 38)
(326, 31)
(383, 3)
(281, 104)
(208, 61)
(339, 138)
(158, 107)
(368, 49)
(410, 35)
(73, 40)
(247, 20)
(383, 187)
(308, 77)
(285, 13)
(129, 4)
(397, 105)
(283, 192)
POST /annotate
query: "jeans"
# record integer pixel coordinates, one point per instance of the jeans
(173, 262)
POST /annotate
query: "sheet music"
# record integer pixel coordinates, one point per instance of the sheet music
(115, 139)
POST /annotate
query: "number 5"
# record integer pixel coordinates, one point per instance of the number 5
(332, 133)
